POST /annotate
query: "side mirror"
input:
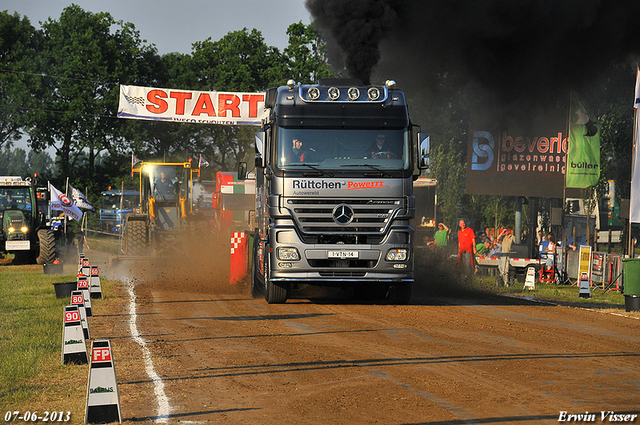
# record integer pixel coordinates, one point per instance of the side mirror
(242, 171)
(260, 140)
(424, 141)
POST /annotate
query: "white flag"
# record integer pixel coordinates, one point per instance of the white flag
(203, 162)
(81, 201)
(634, 202)
(60, 202)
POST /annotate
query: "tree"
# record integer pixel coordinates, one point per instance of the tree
(305, 54)
(448, 168)
(83, 61)
(239, 61)
(18, 163)
(18, 45)
(41, 163)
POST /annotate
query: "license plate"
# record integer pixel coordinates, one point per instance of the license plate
(18, 245)
(343, 254)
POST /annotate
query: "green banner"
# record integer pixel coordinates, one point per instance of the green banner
(583, 156)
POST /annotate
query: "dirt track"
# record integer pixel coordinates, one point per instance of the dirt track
(323, 358)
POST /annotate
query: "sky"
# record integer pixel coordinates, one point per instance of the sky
(173, 26)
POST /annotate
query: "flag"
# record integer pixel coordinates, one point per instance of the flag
(134, 161)
(60, 202)
(81, 201)
(203, 162)
(583, 157)
(634, 201)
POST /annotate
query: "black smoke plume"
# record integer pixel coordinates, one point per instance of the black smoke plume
(512, 49)
(358, 27)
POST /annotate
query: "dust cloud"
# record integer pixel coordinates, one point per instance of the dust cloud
(198, 264)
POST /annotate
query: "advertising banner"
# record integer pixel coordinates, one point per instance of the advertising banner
(509, 158)
(583, 158)
(190, 106)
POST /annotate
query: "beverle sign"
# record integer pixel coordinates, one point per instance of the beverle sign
(191, 106)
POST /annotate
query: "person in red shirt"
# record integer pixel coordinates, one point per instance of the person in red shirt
(466, 248)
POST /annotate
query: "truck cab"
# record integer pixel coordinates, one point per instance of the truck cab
(335, 168)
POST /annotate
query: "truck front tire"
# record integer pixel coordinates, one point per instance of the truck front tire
(255, 280)
(399, 293)
(274, 293)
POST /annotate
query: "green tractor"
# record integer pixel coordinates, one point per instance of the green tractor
(23, 229)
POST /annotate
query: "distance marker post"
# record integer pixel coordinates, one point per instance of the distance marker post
(80, 258)
(95, 286)
(77, 299)
(83, 285)
(530, 280)
(585, 288)
(74, 348)
(103, 401)
(86, 266)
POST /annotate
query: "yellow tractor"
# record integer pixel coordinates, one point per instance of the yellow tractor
(166, 217)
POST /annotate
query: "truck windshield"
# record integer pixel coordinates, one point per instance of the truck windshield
(341, 149)
(112, 201)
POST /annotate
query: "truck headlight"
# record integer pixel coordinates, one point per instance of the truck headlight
(288, 254)
(24, 229)
(398, 254)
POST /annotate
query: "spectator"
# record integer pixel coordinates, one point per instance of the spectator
(507, 239)
(466, 248)
(442, 238)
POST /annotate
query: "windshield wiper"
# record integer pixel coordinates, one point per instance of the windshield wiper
(318, 170)
(380, 172)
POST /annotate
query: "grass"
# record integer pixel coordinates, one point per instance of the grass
(32, 376)
(104, 243)
(443, 280)
(562, 294)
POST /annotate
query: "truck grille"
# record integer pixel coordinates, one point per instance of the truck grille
(355, 217)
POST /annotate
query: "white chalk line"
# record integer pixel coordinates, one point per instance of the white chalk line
(158, 385)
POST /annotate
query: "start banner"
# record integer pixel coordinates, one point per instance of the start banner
(190, 106)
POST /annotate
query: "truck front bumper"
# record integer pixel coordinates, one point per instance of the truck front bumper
(326, 264)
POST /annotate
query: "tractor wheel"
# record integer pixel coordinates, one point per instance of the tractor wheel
(136, 238)
(399, 293)
(274, 293)
(47, 247)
